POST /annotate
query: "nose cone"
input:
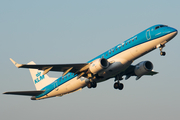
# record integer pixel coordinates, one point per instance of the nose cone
(176, 32)
(173, 30)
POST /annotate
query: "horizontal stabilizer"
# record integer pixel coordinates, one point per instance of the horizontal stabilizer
(28, 93)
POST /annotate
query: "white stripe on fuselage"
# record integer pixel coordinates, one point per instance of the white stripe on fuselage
(125, 58)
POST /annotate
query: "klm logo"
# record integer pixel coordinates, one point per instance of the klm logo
(39, 77)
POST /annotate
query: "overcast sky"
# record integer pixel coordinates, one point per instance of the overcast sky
(72, 31)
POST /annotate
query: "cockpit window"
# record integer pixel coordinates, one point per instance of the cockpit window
(160, 26)
(156, 27)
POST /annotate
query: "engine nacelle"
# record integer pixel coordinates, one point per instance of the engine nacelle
(98, 65)
(143, 67)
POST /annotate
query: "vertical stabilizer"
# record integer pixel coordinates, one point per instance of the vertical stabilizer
(40, 80)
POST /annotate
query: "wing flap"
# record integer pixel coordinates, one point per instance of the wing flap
(27, 93)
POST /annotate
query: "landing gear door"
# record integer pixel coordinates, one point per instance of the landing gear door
(148, 35)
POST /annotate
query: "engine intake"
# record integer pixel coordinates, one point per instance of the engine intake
(98, 65)
(143, 67)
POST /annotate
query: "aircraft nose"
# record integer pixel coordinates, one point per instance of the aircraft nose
(176, 31)
(173, 30)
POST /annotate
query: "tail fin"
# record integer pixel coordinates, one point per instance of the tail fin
(40, 80)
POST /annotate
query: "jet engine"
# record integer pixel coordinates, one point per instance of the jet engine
(98, 65)
(142, 68)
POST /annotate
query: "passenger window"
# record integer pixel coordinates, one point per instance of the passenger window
(109, 52)
(119, 47)
(129, 41)
(132, 40)
(113, 50)
(123, 45)
(126, 43)
(68, 75)
(106, 54)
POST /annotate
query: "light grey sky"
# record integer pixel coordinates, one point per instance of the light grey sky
(74, 32)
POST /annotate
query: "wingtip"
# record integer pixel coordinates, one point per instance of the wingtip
(15, 63)
(12, 61)
(5, 93)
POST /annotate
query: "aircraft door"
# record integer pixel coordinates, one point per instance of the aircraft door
(148, 35)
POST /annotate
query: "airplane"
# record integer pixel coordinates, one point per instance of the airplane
(113, 63)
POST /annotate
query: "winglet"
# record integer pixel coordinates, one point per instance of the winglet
(15, 63)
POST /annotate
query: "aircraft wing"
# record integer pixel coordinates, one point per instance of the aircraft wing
(28, 93)
(75, 68)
